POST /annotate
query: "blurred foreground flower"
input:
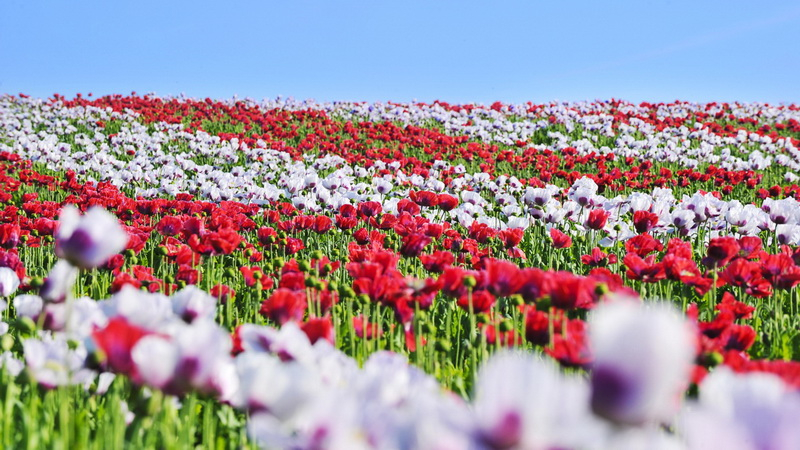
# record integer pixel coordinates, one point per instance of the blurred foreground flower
(643, 356)
(90, 240)
(743, 412)
(9, 281)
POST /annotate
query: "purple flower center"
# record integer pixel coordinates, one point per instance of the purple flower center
(612, 391)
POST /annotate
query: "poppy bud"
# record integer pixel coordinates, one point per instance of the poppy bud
(25, 325)
(7, 342)
(470, 281)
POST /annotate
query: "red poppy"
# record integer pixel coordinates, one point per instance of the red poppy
(645, 270)
(478, 301)
(408, 206)
(318, 328)
(117, 340)
(424, 198)
(721, 251)
(446, 202)
(369, 209)
(644, 221)
(413, 244)
(643, 245)
(560, 240)
(597, 219)
(284, 305)
(169, 225)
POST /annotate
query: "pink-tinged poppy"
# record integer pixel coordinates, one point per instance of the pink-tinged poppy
(598, 258)
(680, 248)
(503, 278)
(88, 241)
(679, 269)
(481, 232)
(537, 326)
(294, 245)
(536, 283)
(345, 223)
(570, 347)
(348, 211)
(322, 224)
(780, 270)
(750, 246)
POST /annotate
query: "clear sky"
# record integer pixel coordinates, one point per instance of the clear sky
(457, 51)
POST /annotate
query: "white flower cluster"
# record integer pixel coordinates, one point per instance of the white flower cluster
(163, 160)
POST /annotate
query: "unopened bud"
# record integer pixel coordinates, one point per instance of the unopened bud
(6, 342)
(470, 281)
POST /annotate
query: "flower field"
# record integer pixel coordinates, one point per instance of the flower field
(179, 272)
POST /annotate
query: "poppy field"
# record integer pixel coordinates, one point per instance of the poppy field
(181, 272)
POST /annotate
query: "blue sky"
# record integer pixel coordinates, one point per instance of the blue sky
(457, 51)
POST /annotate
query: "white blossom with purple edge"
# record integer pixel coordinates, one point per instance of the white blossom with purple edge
(88, 241)
(643, 357)
(191, 303)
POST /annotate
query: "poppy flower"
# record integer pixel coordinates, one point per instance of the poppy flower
(560, 240)
(88, 241)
